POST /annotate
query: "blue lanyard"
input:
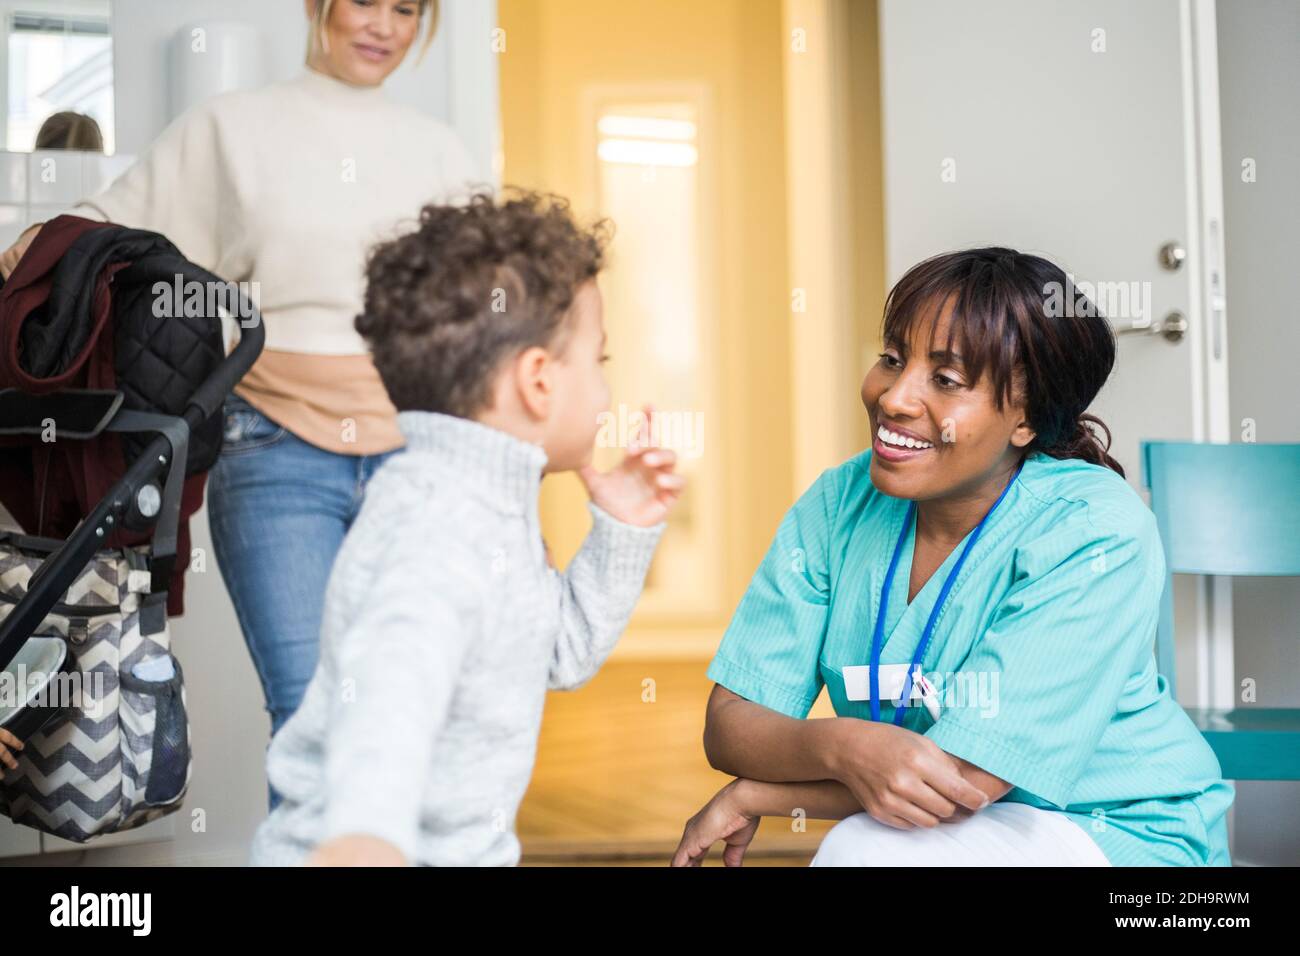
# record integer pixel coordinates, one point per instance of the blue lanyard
(876, 637)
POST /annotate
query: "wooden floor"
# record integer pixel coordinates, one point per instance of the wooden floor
(621, 767)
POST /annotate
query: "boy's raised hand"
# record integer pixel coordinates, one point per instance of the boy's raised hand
(643, 487)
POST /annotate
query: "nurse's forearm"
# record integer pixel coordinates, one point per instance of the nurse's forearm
(813, 800)
(746, 739)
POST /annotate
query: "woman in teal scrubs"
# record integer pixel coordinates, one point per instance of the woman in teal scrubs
(1014, 714)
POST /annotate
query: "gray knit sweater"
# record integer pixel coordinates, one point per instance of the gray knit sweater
(444, 627)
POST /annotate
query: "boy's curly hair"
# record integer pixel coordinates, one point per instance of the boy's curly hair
(474, 284)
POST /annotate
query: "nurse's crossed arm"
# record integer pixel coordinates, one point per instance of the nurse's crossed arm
(833, 767)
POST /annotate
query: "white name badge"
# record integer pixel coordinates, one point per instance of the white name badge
(857, 682)
(857, 685)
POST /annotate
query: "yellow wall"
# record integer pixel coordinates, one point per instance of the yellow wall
(557, 48)
(867, 190)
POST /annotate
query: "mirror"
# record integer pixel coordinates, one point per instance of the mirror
(57, 74)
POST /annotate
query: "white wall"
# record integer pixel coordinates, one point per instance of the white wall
(457, 82)
(1259, 77)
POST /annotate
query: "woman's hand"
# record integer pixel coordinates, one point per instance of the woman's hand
(722, 818)
(643, 488)
(356, 849)
(901, 778)
(9, 742)
(9, 258)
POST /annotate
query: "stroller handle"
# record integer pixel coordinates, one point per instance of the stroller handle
(208, 397)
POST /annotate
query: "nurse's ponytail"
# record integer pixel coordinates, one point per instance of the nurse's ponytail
(1085, 443)
(1020, 318)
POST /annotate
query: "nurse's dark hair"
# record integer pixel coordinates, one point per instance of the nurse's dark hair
(1020, 319)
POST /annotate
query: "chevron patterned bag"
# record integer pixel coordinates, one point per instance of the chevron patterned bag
(120, 756)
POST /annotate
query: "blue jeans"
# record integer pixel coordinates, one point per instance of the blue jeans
(279, 507)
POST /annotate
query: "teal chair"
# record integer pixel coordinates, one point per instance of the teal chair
(1229, 510)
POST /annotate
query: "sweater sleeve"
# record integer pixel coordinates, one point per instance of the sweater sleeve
(173, 188)
(397, 665)
(597, 595)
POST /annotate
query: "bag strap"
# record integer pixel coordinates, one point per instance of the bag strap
(162, 561)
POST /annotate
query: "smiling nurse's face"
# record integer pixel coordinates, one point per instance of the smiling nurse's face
(943, 433)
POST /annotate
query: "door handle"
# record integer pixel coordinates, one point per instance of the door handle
(1172, 327)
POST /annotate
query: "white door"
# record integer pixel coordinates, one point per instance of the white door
(1067, 130)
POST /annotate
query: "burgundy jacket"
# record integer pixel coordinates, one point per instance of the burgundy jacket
(49, 487)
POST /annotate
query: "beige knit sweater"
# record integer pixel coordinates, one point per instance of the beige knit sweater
(287, 187)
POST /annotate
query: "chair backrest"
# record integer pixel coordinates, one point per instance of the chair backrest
(1221, 509)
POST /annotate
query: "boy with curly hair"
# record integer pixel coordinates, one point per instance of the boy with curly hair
(444, 622)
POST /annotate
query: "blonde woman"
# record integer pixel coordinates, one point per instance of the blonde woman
(287, 186)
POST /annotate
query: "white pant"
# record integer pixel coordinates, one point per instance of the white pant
(1002, 834)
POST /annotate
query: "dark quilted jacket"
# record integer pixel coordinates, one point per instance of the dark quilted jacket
(78, 312)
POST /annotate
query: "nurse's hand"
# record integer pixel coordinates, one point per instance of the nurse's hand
(901, 778)
(722, 818)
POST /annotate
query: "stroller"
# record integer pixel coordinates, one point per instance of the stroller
(87, 678)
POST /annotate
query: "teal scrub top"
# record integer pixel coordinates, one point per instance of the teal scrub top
(1043, 654)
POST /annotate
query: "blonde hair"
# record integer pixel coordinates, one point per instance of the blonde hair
(316, 33)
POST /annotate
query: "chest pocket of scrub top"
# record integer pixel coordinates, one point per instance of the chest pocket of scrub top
(246, 429)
